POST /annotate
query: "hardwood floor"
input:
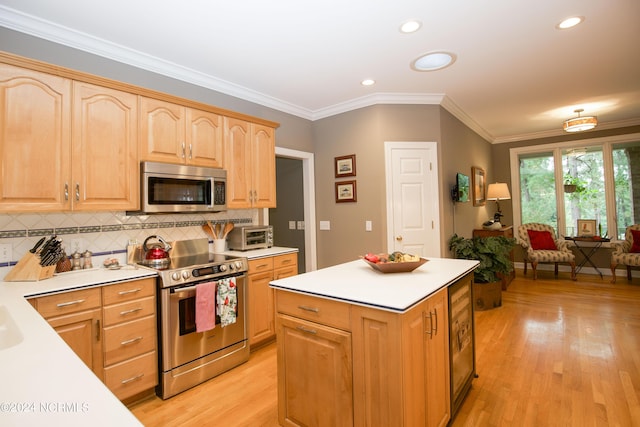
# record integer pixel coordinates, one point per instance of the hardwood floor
(557, 353)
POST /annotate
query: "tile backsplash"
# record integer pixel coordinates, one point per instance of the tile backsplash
(105, 233)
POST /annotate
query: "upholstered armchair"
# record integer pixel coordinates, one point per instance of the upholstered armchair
(541, 246)
(626, 252)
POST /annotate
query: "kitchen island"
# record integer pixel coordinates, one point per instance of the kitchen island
(358, 347)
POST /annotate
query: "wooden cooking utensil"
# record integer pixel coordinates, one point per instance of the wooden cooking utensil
(227, 229)
(208, 228)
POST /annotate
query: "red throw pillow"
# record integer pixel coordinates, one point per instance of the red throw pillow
(635, 246)
(541, 240)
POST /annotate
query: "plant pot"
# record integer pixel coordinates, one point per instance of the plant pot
(570, 188)
(487, 296)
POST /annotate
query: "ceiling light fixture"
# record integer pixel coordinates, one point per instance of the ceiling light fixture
(410, 26)
(570, 22)
(580, 123)
(433, 61)
(367, 82)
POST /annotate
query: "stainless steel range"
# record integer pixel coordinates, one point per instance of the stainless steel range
(188, 357)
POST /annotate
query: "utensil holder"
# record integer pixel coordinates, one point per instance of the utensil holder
(219, 245)
(28, 269)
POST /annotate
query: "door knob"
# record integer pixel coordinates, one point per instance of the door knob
(399, 238)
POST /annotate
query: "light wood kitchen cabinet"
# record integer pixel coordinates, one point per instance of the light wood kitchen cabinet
(35, 140)
(76, 316)
(112, 329)
(250, 163)
(399, 362)
(315, 372)
(66, 145)
(261, 305)
(104, 162)
(130, 337)
(173, 133)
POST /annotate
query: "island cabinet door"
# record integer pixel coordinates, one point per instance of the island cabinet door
(437, 360)
(315, 383)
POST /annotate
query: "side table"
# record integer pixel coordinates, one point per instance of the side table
(587, 251)
(505, 232)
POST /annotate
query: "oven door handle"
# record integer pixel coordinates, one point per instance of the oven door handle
(176, 290)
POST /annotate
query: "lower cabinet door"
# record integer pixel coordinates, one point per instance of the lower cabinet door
(315, 381)
(133, 376)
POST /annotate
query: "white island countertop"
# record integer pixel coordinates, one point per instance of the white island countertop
(44, 383)
(357, 283)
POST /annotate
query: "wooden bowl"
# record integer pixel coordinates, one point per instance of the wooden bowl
(396, 267)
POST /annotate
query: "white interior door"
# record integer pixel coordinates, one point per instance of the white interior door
(413, 223)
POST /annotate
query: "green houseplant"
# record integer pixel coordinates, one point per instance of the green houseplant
(494, 255)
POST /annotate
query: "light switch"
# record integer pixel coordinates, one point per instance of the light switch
(367, 226)
(292, 225)
(300, 225)
(325, 225)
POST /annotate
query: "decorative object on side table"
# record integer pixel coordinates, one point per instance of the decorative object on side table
(498, 191)
(493, 252)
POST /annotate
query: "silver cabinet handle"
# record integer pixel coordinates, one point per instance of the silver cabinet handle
(308, 331)
(435, 329)
(66, 304)
(128, 380)
(190, 152)
(131, 291)
(77, 191)
(124, 313)
(131, 341)
(183, 150)
(429, 330)
(98, 329)
(307, 308)
(66, 191)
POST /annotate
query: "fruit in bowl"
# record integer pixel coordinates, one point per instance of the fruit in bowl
(395, 262)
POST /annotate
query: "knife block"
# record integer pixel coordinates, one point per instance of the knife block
(28, 269)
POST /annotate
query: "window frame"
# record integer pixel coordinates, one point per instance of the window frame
(607, 145)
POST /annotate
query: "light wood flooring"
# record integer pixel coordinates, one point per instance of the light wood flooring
(557, 353)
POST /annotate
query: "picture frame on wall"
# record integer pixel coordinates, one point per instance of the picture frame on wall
(586, 227)
(346, 191)
(478, 186)
(345, 166)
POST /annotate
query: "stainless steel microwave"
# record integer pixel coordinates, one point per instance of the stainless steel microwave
(251, 237)
(174, 188)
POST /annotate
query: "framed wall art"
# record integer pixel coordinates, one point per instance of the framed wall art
(586, 227)
(479, 186)
(346, 191)
(345, 166)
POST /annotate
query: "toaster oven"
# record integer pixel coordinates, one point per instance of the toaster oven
(249, 237)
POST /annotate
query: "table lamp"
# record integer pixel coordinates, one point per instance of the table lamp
(498, 191)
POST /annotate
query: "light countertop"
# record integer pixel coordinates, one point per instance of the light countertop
(356, 282)
(262, 253)
(43, 381)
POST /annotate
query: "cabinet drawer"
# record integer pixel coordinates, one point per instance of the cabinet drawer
(286, 260)
(283, 272)
(129, 339)
(128, 291)
(133, 376)
(323, 311)
(261, 264)
(130, 310)
(68, 302)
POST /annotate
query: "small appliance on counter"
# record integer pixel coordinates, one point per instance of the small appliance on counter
(251, 237)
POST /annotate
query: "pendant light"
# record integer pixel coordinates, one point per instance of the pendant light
(580, 123)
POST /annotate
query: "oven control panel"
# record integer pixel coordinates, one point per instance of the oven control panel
(199, 273)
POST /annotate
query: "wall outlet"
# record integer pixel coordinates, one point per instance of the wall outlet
(325, 225)
(367, 226)
(6, 252)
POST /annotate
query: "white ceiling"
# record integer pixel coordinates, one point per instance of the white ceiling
(516, 76)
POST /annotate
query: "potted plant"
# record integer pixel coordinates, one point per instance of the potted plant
(493, 252)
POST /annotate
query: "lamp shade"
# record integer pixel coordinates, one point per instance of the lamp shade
(498, 191)
(580, 123)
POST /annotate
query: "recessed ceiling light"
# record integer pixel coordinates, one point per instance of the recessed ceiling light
(570, 22)
(410, 26)
(433, 61)
(367, 82)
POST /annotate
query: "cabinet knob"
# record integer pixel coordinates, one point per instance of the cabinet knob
(399, 238)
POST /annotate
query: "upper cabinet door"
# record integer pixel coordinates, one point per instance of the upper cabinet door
(264, 166)
(162, 131)
(35, 140)
(104, 163)
(238, 163)
(204, 138)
